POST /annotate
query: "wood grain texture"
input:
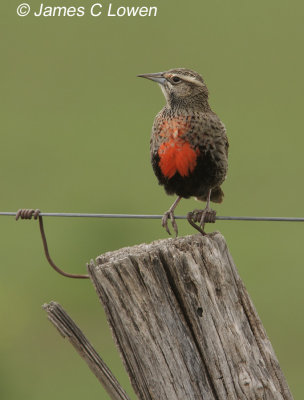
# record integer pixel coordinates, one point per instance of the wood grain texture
(68, 329)
(184, 323)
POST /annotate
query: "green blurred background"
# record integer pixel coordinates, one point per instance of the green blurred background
(75, 127)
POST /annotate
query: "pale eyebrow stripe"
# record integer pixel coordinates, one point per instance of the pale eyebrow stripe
(187, 78)
(191, 79)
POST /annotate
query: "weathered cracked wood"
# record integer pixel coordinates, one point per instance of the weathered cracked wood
(184, 323)
(67, 328)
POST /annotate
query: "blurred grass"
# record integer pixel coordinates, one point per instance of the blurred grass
(75, 137)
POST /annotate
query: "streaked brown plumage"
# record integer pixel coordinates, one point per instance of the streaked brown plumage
(189, 145)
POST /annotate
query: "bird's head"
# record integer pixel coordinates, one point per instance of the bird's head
(182, 87)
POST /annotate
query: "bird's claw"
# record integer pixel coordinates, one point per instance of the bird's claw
(202, 216)
(169, 215)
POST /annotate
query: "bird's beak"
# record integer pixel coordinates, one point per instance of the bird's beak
(157, 77)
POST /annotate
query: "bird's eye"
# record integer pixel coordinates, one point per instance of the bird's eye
(176, 79)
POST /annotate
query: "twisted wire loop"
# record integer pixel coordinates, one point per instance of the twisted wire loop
(29, 214)
(196, 216)
(209, 216)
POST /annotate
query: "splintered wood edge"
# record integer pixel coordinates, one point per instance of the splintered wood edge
(181, 243)
(104, 261)
(119, 257)
(67, 328)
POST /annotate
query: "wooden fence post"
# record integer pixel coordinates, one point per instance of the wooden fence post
(184, 323)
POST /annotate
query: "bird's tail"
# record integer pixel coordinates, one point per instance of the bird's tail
(216, 195)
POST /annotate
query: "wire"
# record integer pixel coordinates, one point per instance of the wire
(157, 216)
(192, 217)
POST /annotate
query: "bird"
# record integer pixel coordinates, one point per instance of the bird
(188, 145)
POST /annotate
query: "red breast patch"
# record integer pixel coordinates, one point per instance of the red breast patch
(176, 155)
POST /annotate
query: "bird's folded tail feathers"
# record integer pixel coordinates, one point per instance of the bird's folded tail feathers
(216, 195)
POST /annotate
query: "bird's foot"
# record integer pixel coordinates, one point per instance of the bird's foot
(202, 216)
(169, 215)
